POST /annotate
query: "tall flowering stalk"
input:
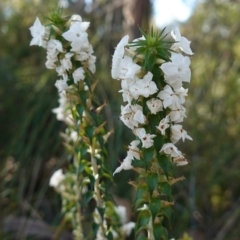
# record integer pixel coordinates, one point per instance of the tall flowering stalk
(152, 71)
(87, 176)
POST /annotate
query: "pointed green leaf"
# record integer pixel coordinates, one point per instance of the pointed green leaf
(143, 220)
(138, 163)
(166, 189)
(110, 236)
(152, 182)
(147, 155)
(88, 196)
(142, 195)
(160, 232)
(167, 212)
(155, 206)
(89, 130)
(83, 96)
(80, 109)
(165, 164)
(101, 211)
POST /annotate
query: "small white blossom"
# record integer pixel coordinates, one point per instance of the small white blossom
(77, 35)
(61, 85)
(132, 115)
(181, 42)
(170, 149)
(128, 69)
(118, 56)
(144, 87)
(177, 115)
(131, 154)
(163, 125)
(177, 71)
(155, 105)
(56, 178)
(54, 47)
(78, 75)
(63, 112)
(169, 97)
(91, 63)
(38, 33)
(177, 132)
(66, 61)
(146, 138)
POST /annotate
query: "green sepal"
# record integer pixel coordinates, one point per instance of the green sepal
(155, 206)
(160, 232)
(147, 155)
(152, 182)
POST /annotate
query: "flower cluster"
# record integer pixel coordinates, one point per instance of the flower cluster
(71, 44)
(141, 90)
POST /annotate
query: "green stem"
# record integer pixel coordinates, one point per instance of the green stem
(78, 233)
(96, 186)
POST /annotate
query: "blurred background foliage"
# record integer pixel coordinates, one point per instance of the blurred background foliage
(207, 203)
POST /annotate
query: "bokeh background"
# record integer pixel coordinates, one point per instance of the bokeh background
(207, 203)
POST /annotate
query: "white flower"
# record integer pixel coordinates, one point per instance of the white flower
(134, 150)
(62, 110)
(128, 69)
(155, 105)
(56, 178)
(61, 85)
(126, 165)
(144, 87)
(54, 47)
(77, 35)
(163, 125)
(91, 63)
(170, 149)
(78, 75)
(131, 154)
(62, 72)
(177, 132)
(177, 71)
(51, 60)
(146, 138)
(169, 97)
(66, 61)
(181, 93)
(132, 115)
(117, 57)
(177, 115)
(181, 42)
(38, 32)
